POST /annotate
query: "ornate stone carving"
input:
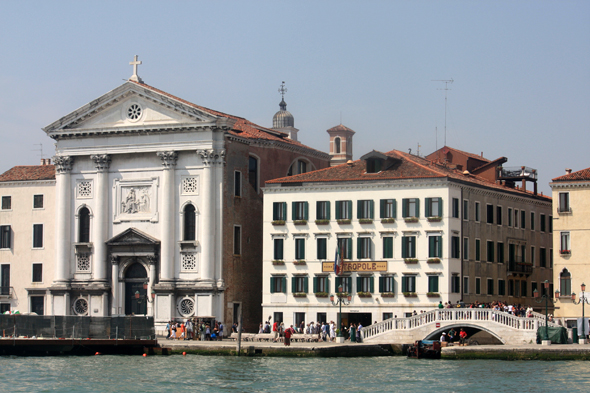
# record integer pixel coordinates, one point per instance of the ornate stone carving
(63, 164)
(212, 156)
(101, 161)
(114, 260)
(151, 259)
(168, 158)
(135, 200)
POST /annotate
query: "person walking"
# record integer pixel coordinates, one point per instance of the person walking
(220, 331)
(288, 333)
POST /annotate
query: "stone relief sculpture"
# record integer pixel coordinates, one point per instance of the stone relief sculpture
(135, 201)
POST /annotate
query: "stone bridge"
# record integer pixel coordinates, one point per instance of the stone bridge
(507, 328)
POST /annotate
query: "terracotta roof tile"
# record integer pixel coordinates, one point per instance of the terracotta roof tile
(29, 172)
(580, 175)
(340, 127)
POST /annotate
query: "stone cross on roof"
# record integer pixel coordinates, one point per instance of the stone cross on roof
(135, 77)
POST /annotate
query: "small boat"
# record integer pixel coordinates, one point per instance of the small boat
(425, 349)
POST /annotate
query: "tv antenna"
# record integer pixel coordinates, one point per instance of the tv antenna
(40, 149)
(446, 81)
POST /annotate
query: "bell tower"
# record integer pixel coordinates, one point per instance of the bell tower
(340, 144)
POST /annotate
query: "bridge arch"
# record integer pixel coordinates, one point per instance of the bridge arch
(435, 334)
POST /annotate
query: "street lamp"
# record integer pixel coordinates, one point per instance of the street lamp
(141, 298)
(583, 299)
(546, 296)
(341, 299)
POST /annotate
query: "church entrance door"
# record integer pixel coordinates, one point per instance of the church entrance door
(135, 278)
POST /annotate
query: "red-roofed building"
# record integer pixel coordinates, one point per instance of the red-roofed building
(153, 189)
(411, 233)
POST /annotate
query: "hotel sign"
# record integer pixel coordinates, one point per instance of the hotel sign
(356, 266)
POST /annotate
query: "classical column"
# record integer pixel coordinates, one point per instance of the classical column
(100, 222)
(63, 167)
(219, 165)
(151, 280)
(207, 191)
(168, 223)
(115, 285)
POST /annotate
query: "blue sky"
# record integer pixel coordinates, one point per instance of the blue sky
(521, 70)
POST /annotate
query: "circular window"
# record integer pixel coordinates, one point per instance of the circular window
(134, 112)
(186, 307)
(81, 307)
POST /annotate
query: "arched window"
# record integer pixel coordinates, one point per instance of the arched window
(189, 222)
(337, 145)
(84, 225)
(565, 283)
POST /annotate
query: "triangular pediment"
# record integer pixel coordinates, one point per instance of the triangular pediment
(131, 107)
(132, 236)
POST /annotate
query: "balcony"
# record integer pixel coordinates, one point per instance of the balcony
(520, 267)
(6, 292)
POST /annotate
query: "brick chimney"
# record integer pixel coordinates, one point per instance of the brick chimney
(568, 171)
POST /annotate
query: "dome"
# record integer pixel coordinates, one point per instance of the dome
(283, 118)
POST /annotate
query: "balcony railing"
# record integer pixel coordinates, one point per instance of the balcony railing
(520, 267)
(6, 292)
(520, 172)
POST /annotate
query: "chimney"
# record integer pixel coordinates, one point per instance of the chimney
(568, 171)
(481, 154)
(43, 161)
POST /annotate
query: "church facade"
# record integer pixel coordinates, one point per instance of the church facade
(159, 207)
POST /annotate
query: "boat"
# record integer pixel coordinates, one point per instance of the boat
(425, 349)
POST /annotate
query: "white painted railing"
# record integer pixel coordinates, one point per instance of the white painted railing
(473, 315)
(541, 318)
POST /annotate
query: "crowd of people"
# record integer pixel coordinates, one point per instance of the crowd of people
(326, 330)
(193, 329)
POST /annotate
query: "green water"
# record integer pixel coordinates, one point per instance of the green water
(232, 374)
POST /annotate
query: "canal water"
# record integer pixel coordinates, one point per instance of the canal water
(232, 374)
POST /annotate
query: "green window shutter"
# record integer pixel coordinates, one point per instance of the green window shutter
(293, 211)
(440, 208)
(413, 250)
(417, 207)
(317, 210)
(274, 211)
(387, 247)
(372, 207)
(404, 208)
(440, 254)
(328, 210)
(338, 210)
(305, 284)
(372, 283)
(394, 208)
(359, 205)
(293, 284)
(427, 207)
(306, 210)
(315, 284)
(404, 284)
(327, 285)
(338, 283)
(284, 280)
(358, 249)
(272, 285)
(382, 208)
(358, 284)
(349, 203)
(284, 210)
(431, 245)
(404, 247)
(381, 284)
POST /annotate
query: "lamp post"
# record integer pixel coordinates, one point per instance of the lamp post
(341, 299)
(141, 298)
(583, 299)
(546, 297)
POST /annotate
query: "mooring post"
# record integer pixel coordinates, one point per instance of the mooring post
(240, 330)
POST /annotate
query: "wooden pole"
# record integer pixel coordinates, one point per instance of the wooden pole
(239, 330)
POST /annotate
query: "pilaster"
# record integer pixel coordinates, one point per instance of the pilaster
(169, 159)
(63, 168)
(102, 163)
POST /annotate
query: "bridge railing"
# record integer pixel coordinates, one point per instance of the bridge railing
(446, 315)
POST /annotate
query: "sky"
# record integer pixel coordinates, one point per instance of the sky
(520, 70)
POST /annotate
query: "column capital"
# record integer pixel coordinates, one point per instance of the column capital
(168, 158)
(212, 156)
(63, 164)
(101, 161)
(114, 260)
(151, 259)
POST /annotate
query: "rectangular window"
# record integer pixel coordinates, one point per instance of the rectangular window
(466, 285)
(387, 315)
(477, 286)
(365, 284)
(564, 202)
(4, 280)
(433, 284)
(565, 284)
(322, 248)
(387, 247)
(386, 284)
(365, 209)
(346, 283)
(5, 236)
(455, 247)
(455, 283)
(237, 240)
(543, 257)
(278, 249)
(523, 289)
(238, 183)
(364, 248)
(501, 287)
(477, 250)
(522, 219)
(517, 288)
(300, 249)
(299, 284)
(435, 247)
(490, 286)
(550, 222)
(532, 221)
(523, 253)
(279, 211)
(300, 211)
(499, 215)
(477, 212)
(37, 305)
(515, 218)
(37, 235)
(278, 284)
(433, 207)
(322, 210)
(551, 258)
(409, 247)
(510, 287)
(253, 173)
(321, 284)
(37, 201)
(500, 256)
(543, 223)
(490, 214)
(490, 251)
(408, 283)
(466, 248)
(4, 307)
(343, 210)
(345, 247)
(465, 209)
(387, 208)
(509, 216)
(533, 256)
(565, 243)
(37, 272)
(6, 203)
(456, 208)
(534, 288)
(411, 207)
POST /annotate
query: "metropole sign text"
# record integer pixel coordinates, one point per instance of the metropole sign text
(356, 266)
